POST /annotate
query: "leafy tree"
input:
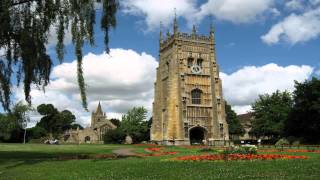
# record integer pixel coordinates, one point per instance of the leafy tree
(11, 124)
(6, 127)
(116, 122)
(50, 115)
(235, 127)
(134, 123)
(25, 26)
(304, 119)
(53, 121)
(270, 113)
(76, 126)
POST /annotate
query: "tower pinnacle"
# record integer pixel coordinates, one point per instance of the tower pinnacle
(99, 109)
(175, 23)
(161, 38)
(194, 30)
(211, 31)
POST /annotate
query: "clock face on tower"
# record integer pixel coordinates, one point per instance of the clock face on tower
(196, 69)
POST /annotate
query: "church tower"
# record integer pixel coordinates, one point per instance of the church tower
(98, 117)
(188, 104)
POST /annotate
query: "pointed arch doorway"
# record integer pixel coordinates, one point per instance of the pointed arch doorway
(197, 135)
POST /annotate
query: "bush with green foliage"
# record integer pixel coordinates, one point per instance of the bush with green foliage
(36, 132)
(245, 149)
(282, 142)
(114, 136)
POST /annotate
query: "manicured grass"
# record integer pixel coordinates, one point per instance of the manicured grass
(33, 161)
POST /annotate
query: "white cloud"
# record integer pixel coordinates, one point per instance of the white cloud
(155, 11)
(121, 80)
(125, 79)
(52, 36)
(295, 28)
(294, 5)
(237, 11)
(314, 2)
(242, 87)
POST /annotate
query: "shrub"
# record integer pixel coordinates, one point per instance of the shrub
(282, 142)
(35, 141)
(245, 149)
(114, 136)
(296, 143)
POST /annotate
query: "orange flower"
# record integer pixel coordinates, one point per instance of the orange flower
(234, 157)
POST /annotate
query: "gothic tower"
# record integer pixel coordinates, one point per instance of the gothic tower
(98, 117)
(188, 105)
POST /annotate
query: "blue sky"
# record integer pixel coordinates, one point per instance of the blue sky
(238, 44)
(262, 46)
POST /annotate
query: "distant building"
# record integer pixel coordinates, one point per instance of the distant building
(93, 134)
(246, 122)
(188, 104)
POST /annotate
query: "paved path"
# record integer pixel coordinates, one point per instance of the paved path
(124, 152)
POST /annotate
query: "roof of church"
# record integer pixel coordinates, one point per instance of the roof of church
(99, 109)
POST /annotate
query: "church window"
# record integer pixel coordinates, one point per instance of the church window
(190, 62)
(221, 130)
(186, 130)
(196, 96)
(199, 62)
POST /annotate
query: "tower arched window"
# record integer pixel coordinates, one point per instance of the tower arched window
(190, 61)
(199, 62)
(196, 96)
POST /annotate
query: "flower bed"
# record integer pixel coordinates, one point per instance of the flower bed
(234, 157)
(290, 150)
(154, 149)
(157, 152)
(148, 145)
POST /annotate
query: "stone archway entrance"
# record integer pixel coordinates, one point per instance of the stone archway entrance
(87, 139)
(197, 135)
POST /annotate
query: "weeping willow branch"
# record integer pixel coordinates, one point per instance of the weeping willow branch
(25, 25)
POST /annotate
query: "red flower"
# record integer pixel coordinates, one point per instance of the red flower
(234, 157)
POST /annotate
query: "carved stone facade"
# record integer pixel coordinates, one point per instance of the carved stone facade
(93, 134)
(188, 105)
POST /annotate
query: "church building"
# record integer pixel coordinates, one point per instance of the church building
(188, 104)
(93, 134)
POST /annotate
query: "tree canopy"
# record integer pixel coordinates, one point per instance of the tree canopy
(304, 119)
(25, 27)
(11, 124)
(270, 113)
(133, 123)
(235, 128)
(53, 121)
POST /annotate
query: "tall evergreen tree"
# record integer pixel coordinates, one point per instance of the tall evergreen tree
(25, 27)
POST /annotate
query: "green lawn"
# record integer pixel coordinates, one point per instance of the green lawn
(33, 161)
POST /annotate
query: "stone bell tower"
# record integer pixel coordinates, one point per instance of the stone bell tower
(188, 104)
